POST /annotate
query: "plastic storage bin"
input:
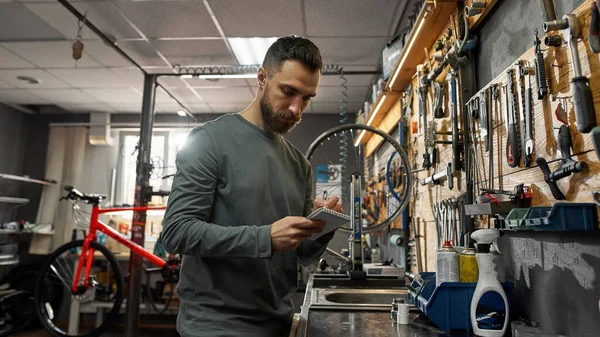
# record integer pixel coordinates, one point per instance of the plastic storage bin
(516, 219)
(448, 305)
(563, 216)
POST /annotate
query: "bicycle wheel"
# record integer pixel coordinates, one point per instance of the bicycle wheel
(105, 290)
(335, 149)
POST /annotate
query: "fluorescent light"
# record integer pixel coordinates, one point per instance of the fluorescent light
(187, 76)
(250, 50)
(181, 113)
(375, 111)
(412, 41)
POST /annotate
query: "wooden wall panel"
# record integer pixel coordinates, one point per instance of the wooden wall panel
(577, 188)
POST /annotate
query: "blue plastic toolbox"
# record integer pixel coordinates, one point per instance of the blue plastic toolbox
(563, 216)
(448, 305)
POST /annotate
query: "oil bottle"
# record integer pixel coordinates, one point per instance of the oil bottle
(447, 268)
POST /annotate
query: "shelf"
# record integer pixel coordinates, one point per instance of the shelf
(432, 21)
(27, 179)
(474, 21)
(11, 200)
(383, 104)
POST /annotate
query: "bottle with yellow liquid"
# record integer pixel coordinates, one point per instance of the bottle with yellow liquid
(469, 271)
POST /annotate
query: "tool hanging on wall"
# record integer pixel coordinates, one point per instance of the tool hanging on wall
(540, 69)
(585, 113)
(423, 91)
(594, 29)
(484, 118)
(567, 165)
(527, 122)
(438, 99)
(596, 140)
(548, 10)
(513, 156)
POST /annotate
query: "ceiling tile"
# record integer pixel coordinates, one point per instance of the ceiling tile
(350, 51)
(187, 96)
(20, 96)
(229, 95)
(170, 18)
(245, 20)
(195, 52)
(199, 108)
(17, 23)
(49, 54)
(171, 82)
(4, 85)
(228, 107)
(334, 107)
(103, 14)
(224, 82)
(63, 95)
(127, 108)
(349, 17)
(334, 94)
(115, 96)
(351, 80)
(129, 76)
(12, 61)
(85, 108)
(104, 54)
(142, 53)
(89, 78)
(46, 80)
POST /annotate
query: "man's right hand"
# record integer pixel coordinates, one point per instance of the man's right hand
(289, 232)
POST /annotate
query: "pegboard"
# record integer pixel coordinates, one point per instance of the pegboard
(577, 187)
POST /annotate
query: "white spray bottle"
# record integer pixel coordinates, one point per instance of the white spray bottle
(487, 317)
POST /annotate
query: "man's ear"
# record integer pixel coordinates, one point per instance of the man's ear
(262, 77)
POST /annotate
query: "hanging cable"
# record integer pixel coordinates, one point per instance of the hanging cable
(344, 137)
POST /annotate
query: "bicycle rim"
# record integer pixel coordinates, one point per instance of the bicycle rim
(59, 272)
(326, 155)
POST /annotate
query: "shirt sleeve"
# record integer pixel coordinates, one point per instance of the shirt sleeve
(185, 227)
(309, 251)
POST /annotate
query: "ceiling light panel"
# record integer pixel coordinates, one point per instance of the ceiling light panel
(250, 50)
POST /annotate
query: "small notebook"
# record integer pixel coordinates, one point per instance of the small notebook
(333, 220)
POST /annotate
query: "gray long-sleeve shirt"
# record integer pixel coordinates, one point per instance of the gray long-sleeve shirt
(233, 181)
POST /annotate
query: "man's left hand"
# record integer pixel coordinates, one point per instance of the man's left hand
(333, 203)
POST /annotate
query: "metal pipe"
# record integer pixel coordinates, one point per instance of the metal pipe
(142, 187)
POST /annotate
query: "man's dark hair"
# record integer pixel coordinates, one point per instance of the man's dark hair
(292, 48)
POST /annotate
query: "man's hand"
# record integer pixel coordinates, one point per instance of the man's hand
(333, 203)
(289, 232)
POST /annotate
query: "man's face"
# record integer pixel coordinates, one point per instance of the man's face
(286, 94)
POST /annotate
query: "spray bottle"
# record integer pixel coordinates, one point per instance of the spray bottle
(489, 307)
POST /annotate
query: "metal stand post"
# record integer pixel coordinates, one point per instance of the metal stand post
(356, 251)
(142, 194)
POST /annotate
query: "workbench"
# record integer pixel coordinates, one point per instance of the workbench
(317, 322)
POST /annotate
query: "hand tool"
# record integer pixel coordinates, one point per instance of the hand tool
(594, 29)
(438, 102)
(512, 143)
(548, 10)
(526, 123)
(484, 118)
(423, 90)
(582, 95)
(596, 140)
(540, 69)
(567, 165)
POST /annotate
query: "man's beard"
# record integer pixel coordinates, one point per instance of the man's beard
(279, 122)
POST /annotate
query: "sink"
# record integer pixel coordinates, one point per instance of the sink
(363, 298)
(356, 299)
(369, 283)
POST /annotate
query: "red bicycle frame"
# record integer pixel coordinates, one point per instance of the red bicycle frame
(87, 252)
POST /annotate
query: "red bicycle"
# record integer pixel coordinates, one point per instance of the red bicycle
(90, 272)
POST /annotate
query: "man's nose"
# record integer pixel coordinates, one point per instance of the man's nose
(296, 106)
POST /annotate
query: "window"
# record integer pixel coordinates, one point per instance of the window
(129, 154)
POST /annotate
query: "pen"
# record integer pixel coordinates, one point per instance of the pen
(325, 195)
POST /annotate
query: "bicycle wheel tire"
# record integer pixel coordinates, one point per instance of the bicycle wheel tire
(60, 270)
(331, 148)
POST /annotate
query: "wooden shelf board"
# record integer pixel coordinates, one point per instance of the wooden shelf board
(27, 179)
(436, 16)
(476, 20)
(12, 200)
(389, 99)
(389, 123)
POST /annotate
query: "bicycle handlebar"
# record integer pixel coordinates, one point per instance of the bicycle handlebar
(75, 194)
